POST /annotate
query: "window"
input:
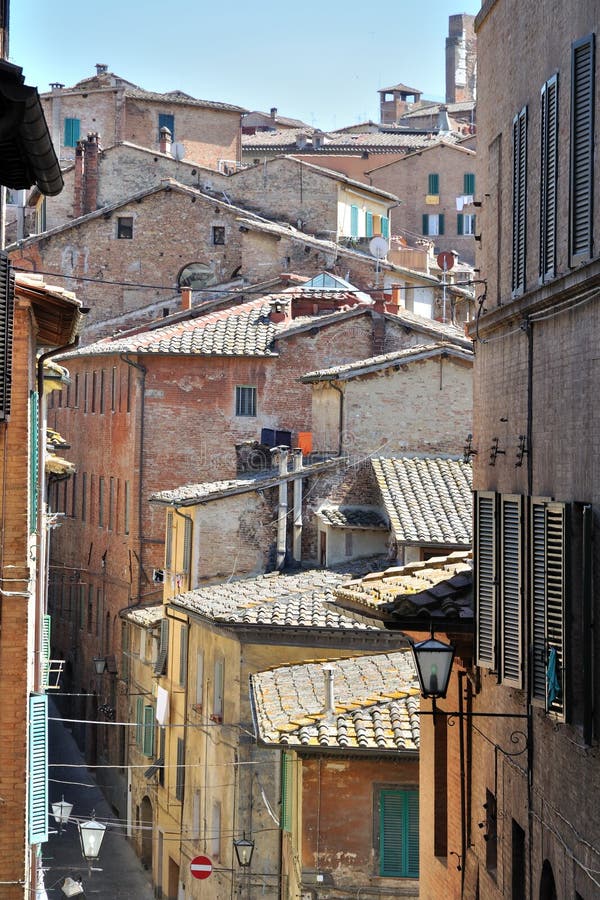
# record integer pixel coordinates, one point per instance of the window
(219, 681)
(582, 148)
(94, 390)
(83, 496)
(286, 791)
(465, 224)
(126, 509)
(111, 503)
(163, 647)
(180, 772)
(125, 227)
(169, 542)
(101, 501)
(518, 862)
(354, 221)
(90, 608)
(183, 648)
(491, 833)
(148, 731)
(102, 378)
(85, 392)
(199, 679)
(433, 224)
(218, 234)
(166, 120)
(433, 184)
(369, 224)
(519, 201)
(216, 831)
(74, 495)
(469, 184)
(399, 832)
(72, 130)
(348, 544)
(187, 548)
(245, 401)
(548, 177)
(113, 389)
(37, 782)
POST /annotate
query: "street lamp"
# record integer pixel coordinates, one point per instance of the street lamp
(91, 835)
(61, 812)
(99, 664)
(433, 662)
(244, 848)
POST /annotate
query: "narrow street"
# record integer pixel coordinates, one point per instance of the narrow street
(122, 874)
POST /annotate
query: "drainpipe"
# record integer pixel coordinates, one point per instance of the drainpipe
(297, 537)
(329, 709)
(283, 506)
(143, 371)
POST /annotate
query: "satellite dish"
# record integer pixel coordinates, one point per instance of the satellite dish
(178, 151)
(379, 247)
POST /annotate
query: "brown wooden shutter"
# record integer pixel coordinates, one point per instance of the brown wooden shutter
(582, 148)
(549, 174)
(7, 300)
(519, 200)
(485, 578)
(511, 669)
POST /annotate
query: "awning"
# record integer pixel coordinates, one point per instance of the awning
(27, 156)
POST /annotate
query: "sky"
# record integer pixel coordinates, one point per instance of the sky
(321, 61)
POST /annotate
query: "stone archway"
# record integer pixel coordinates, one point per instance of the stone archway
(146, 821)
(547, 885)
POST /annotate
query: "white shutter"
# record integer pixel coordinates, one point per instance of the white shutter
(485, 579)
(511, 670)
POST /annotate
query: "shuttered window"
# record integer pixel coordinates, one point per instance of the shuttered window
(218, 686)
(45, 661)
(399, 833)
(369, 224)
(582, 148)
(469, 184)
(511, 590)
(139, 720)
(187, 547)
(163, 647)
(385, 227)
(33, 461)
(548, 177)
(548, 596)
(180, 774)
(37, 784)
(433, 184)
(433, 224)
(148, 731)
(286, 792)
(485, 578)
(183, 654)
(7, 302)
(519, 200)
(169, 542)
(72, 130)
(166, 120)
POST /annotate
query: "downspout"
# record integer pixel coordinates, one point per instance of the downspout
(297, 536)
(42, 541)
(283, 506)
(143, 371)
(528, 326)
(341, 418)
(191, 521)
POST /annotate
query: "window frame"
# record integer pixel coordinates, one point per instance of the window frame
(433, 184)
(581, 166)
(549, 111)
(124, 228)
(71, 131)
(401, 865)
(429, 219)
(244, 393)
(519, 221)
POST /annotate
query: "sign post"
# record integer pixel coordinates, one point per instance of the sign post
(201, 867)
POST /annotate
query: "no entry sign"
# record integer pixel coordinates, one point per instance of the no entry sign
(201, 867)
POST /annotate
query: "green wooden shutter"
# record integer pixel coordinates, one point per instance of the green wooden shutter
(180, 774)
(148, 739)
(37, 785)
(34, 462)
(399, 833)
(433, 184)
(163, 648)
(139, 720)
(519, 200)
(485, 579)
(45, 661)
(511, 590)
(469, 184)
(167, 120)
(369, 224)
(354, 221)
(72, 132)
(548, 177)
(385, 227)
(286, 791)
(441, 223)
(460, 225)
(7, 304)
(425, 227)
(582, 147)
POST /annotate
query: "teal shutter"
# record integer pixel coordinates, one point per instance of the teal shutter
(286, 792)
(139, 720)
(433, 184)
(33, 461)
(425, 223)
(38, 769)
(148, 741)
(46, 621)
(460, 226)
(441, 223)
(354, 221)
(399, 833)
(72, 129)
(469, 184)
(385, 227)
(167, 120)
(7, 302)
(369, 224)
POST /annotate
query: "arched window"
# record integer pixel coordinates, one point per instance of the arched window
(196, 275)
(547, 885)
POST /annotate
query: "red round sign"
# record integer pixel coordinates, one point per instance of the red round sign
(445, 260)
(201, 867)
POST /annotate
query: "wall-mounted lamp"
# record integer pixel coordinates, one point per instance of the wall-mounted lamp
(91, 835)
(61, 812)
(99, 664)
(71, 887)
(244, 848)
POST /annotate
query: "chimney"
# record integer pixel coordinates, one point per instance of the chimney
(279, 311)
(273, 112)
(329, 707)
(90, 173)
(186, 298)
(165, 140)
(443, 120)
(78, 183)
(101, 68)
(56, 86)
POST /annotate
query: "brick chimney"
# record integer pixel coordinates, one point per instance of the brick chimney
(78, 184)
(273, 112)
(165, 140)
(186, 298)
(280, 311)
(90, 173)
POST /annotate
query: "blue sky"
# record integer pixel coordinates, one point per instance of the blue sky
(322, 62)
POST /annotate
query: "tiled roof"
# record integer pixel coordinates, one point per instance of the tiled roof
(439, 588)
(179, 97)
(352, 517)
(276, 599)
(430, 108)
(387, 360)
(376, 701)
(438, 330)
(400, 87)
(144, 616)
(285, 142)
(428, 501)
